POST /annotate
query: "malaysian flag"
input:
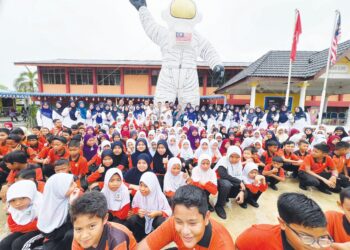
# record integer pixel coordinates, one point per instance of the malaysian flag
(335, 41)
(183, 37)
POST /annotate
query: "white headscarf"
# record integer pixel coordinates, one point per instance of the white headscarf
(118, 199)
(281, 137)
(235, 170)
(103, 144)
(54, 211)
(133, 142)
(171, 182)
(199, 175)
(150, 149)
(247, 169)
(174, 149)
(186, 153)
(154, 201)
(260, 150)
(24, 188)
(247, 142)
(199, 151)
(217, 151)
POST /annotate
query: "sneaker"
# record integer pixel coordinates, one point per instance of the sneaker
(325, 191)
(220, 211)
(302, 187)
(243, 205)
(274, 187)
(253, 203)
(210, 208)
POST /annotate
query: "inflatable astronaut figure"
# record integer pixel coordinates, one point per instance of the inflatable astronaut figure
(180, 45)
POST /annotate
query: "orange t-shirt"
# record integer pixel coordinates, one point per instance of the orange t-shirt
(79, 167)
(215, 237)
(317, 167)
(261, 237)
(335, 226)
(54, 157)
(340, 162)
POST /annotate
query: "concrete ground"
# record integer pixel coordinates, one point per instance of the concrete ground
(239, 219)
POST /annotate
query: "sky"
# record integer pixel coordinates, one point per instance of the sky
(240, 30)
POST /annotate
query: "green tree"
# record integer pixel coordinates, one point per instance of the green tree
(3, 87)
(27, 81)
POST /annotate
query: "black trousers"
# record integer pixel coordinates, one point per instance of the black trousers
(60, 244)
(227, 190)
(251, 196)
(273, 181)
(136, 224)
(292, 168)
(307, 180)
(343, 181)
(115, 219)
(16, 241)
(160, 180)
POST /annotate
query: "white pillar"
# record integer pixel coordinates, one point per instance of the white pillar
(303, 86)
(253, 94)
(325, 104)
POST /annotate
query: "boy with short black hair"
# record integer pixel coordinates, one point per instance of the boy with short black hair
(302, 152)
(319, 170)
(338, 224)
(78, 163)
(291, 161)
(271, 151)
(274, 172)
(302, 225)
(61, 166)
(190, 227)
(58, 151)
(67, 133)
(33, 143)
(13, 142)
(341, 163)
(89, 214)
(4, 133)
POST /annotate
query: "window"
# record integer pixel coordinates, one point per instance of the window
(200, 78)
(155, 74)
(108, 77)
(80, 76)
(136, 72)
(53, 76)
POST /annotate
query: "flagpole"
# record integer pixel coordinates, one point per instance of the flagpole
(290, 65)
(323, 96)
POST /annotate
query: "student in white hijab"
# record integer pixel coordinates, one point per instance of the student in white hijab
(130, 146)
(23, 205)
(205, 178)
(150, 206)
(117, 195)
(281, 135)
(202, 149)
(214, 151)
(53, 220)
(174, 178)
(173, 146)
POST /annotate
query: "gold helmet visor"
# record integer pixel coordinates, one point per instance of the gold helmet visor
(184, 9)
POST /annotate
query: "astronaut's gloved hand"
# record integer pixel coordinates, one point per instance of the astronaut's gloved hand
(138, 3)
(218, 77)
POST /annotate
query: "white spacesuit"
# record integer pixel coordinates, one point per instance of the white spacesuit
(180, 45)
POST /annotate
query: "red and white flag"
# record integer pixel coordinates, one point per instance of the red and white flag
(297, 32)
(335, 41)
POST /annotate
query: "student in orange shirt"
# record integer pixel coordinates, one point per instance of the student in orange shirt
(13, 142)
(78, 163)
(67, 133)
(4, 133)
(58, 151)
(33, 143)
(190, 227)
(291, 162)
(89, 215)
(338, 224)
(302, 225)
(341, 163)
(271, 151)
(274, 173)
(318, 170)
(302, 152)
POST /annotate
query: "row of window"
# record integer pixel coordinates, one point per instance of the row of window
(82, 76)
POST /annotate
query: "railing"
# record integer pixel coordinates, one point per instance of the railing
(334, 118)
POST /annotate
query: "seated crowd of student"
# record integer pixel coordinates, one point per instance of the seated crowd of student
(161, 178)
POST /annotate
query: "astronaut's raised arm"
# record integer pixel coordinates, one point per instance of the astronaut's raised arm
(207, 52)
(154, 31)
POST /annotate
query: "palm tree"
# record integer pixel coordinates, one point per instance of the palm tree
(27, 81)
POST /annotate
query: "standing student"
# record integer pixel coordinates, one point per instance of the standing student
(174, 178)
(190, 227)
(302, 225)
(89, 215)
(318, 170)
(274, 173)
(53, 220)
(255, 183)
(205, 178)
(338, 224)
(117, 195)
(23, 202)
(160, 160)
(150, 207)
(69, 115)
(44, 116)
